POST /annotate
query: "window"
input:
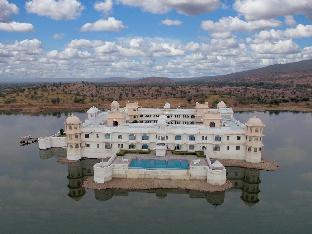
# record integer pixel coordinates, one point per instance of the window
(86, 135)
(260, 149)
(132, 146)
(120, 146)
(256, 130)
(107, 136)
(255, 149)
(132, 137)
(145, 137)
(191, 147)
(217, 138)
(192, 116)
(97, 135)
(204, 148)
(88, 145)
(237, 147)
(178, 137)
(71, 146)
(145, 146)
(119, 136)
(203, 138)
(108, 146)
(228, 147)
(238, 138)
(177, 147)
(228, 138)
(70, 127)
(216, 148)
(76, 136)
(192, 138)
(249, 149)
(212, 124)
(97, 145)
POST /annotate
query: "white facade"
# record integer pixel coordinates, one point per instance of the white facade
(214, 131)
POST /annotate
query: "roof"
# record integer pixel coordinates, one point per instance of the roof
(254, 121)
(73, 120)
(93, 110)
(217, 165)
(221, 105)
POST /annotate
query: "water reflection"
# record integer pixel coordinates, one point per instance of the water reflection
(246, 180)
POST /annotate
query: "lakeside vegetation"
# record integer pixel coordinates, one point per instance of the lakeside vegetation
(80, 96)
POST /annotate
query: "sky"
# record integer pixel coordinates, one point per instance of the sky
(49, 39)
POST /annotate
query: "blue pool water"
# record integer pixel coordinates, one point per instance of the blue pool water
(176, 164)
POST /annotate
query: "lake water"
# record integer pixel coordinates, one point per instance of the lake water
(39, 195)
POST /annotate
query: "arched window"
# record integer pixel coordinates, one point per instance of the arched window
(132, 137)
(145, 146)
(132, 146)
(204, 148)
(178, 137)
(217, 138)
(107, 136)
(71, 146)
(77, 146)
(115, 123)
(212, 124)
(145, 137)
(191, 137)
(216, 148)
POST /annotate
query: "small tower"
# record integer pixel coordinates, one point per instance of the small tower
(254, 134)
(251, 184)
(114, 106)
(73, 137)
(75, 180)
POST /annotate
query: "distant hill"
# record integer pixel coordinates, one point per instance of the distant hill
(297, 72)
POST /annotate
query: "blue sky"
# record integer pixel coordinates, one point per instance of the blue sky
(100, 39)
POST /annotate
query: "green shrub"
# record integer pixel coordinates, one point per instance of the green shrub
(138, 151)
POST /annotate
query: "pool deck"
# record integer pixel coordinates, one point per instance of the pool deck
(263, 165)
(147, 184)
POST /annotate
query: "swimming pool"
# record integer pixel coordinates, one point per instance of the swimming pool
(153, 164)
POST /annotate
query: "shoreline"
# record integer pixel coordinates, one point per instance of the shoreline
(45, 109)
(147, 184)
(263, 165)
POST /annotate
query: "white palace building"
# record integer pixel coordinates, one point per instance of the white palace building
(214, 131)
(163, 130)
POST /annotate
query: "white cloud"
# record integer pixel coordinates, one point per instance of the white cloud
(279, 47)
(290, 20)
(58, 36)
(235, 24)
(7, 9)
(298, 32)
(109, 24)
(186, 7)
(55, 9)
(266, 9)
(104, 6)
(16, 27)
(170, 22)
(139, 56)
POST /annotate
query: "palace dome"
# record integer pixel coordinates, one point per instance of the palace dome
(115, 103)
(93, 110)
(221, 105)
(254, 121)
(73, 120)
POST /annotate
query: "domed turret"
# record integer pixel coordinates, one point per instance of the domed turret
(93, 112)
(73, 120)
(221, 105)
(73, 137)
(167, 105)
(254, 121)
(114, 106)
(254, 134)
